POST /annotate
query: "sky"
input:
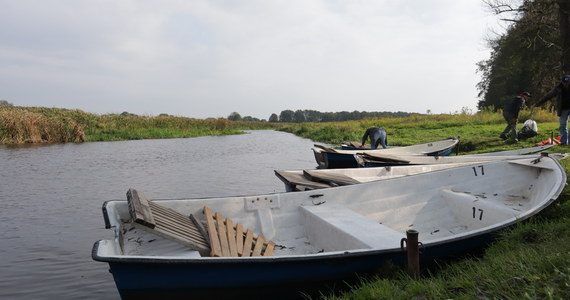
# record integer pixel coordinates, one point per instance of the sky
(204, 59)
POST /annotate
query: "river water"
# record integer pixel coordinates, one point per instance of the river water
(51, 198)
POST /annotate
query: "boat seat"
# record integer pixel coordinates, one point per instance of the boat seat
(333, 227)
(231, 240)
(478, 210)
(167, 223)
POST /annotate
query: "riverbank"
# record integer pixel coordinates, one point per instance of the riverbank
(36, 125)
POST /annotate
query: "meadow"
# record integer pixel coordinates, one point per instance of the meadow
(532, 261)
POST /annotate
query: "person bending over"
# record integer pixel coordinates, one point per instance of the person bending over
(377, 137)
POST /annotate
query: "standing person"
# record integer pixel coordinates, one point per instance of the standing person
(377, 136)
(511, 115)
(562, 90)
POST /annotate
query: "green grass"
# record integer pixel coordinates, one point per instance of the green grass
(478, 133)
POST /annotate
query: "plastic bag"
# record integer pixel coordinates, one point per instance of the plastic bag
(529, 129)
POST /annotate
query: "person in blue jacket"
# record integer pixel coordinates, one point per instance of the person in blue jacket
(511, 114)
(377, 137)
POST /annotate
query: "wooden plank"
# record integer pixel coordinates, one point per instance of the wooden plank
(258, 246)
(384, 158)
(222, 234)
(179, 229)
(216, 249)
(200, 228)
(328, 177)
(139, 208)
(248, 243)
(269, 249)
(239, 239)
(294, 179)
(231, 237)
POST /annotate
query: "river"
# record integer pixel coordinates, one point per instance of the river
(51, 198)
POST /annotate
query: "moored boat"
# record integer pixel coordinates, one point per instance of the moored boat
(320, 238)
(328, 158)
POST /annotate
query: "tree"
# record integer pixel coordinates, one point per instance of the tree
(234, 116)
(273, 118)
(5, 103)
(286, 116)
(299, 116)
(526, 57)
(564, 19)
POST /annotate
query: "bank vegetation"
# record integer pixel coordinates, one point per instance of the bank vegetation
(25, 125)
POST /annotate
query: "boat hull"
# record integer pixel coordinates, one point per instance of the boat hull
(282, 278)
(328, 237)
(335, 159)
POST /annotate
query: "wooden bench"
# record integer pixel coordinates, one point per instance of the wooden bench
(167, 223)
(229, 239)
(221, 238)
(334, 227)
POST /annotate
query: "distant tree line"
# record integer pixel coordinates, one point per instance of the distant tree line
(299, 116)
(531, 55)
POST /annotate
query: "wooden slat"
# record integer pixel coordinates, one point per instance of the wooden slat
(222, 234)
(216, 248)
(258, 246)
(200, 228)
(336, 178)
(239, 239)
(166, 222)
(293, 180)
(269, 249)
(231, 237)
(139, 208)
(248, 243)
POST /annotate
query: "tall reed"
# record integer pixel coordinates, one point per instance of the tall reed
(18, 126)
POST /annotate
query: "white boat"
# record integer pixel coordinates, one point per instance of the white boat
(523, 151)
(380, 160)
(314, 240)
(300, 180)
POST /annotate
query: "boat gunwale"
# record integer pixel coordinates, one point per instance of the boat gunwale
(475, 234)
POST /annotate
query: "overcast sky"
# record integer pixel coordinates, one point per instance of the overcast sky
(201, 59)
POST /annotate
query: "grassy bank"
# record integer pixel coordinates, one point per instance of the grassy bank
(531, 261)
(20, 125)
(478, 133)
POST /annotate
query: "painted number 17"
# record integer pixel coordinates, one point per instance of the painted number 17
(478, 170)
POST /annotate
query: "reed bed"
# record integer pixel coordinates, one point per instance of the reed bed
(21, 125)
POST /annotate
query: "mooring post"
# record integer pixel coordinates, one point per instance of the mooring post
(412, 248)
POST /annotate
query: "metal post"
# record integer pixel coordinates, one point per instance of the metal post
(412, 248)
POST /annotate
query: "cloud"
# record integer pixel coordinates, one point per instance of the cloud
(210, 58)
